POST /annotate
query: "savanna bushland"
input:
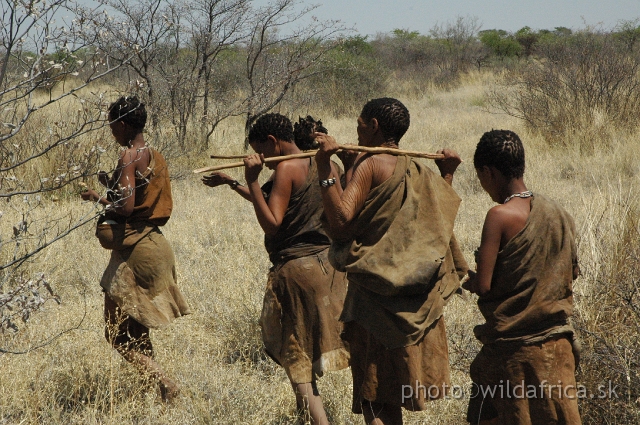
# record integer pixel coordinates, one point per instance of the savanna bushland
(206, 69)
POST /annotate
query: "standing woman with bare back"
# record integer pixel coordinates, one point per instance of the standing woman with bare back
(140, 280)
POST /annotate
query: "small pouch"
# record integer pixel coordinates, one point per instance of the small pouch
(117, 235)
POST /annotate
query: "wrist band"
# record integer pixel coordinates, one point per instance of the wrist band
(328, 182)
(234, 184)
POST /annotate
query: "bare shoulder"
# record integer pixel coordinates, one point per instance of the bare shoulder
(498, 211)
(508, 219)
(292, 170)
(376, 161)
(124, 157)
(504, 213)
(293, 166)
(496, 216)
(364, 165)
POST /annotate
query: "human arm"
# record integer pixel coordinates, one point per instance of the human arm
(480, 282)
(341, 208)
(348, 159)
(124, 178)
(449, 164)
(269, 214)
(104, 179)
(218, 179)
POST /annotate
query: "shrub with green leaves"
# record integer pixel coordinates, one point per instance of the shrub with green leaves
(578, 83)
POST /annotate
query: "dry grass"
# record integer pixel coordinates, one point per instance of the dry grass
(216, 353)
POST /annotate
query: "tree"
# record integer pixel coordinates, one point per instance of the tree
(458, 43)
(405, 34)
(46, 118)
(584, 80)
(136, 27)
(501, 43)
(629, 33)
(527, 39)
(562, 31)
(215, 27)
(276, 62)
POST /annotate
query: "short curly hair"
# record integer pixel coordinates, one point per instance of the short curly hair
(275, 125)
(392, 116)
(129, 110)
(303, 132)
(503, 150)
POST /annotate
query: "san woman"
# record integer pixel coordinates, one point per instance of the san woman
(304, 294)
(140, 280)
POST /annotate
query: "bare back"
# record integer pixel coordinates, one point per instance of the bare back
(514, 215)
(369, 172)
(502, 223)
(296, 170)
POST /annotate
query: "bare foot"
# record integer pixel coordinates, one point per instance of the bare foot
(169, 390)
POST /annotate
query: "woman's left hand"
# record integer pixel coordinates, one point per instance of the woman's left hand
(252, 167)
(449, 164)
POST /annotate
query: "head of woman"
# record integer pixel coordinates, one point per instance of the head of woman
(268, 134)
(382, 120)
(304, 132)
(127, 118)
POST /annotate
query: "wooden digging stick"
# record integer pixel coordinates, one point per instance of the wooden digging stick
(309, 154)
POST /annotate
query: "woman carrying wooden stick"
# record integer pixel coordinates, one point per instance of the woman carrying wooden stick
(304, 294)
(392, 230)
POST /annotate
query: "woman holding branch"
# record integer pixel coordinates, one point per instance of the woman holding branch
(140, 280)
(304, 294)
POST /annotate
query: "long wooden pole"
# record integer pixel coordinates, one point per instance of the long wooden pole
(309, 154)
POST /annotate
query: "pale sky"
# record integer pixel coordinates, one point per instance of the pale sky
(373, 16)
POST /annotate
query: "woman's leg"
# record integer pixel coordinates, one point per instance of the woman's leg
(131, 339)
(308, 400)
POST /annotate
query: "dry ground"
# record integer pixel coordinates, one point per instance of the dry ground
(216, 352)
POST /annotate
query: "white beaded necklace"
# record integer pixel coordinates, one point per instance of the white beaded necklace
(525, 194)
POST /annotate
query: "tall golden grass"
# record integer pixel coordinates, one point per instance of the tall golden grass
(216, 353)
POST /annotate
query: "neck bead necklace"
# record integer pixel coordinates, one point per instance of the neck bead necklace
(525, 194)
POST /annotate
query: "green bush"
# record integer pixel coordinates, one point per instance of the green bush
(501, 43)
(578, 84)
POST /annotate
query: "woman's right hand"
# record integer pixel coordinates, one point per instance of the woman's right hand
(90, 195)
(217, 179)
(327, 146)
(470, 283)
(253, 165)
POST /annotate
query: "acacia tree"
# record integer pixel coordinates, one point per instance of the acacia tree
(216, 25)
(628, 31)
(131, 32)
(276, 62)
(46, 116)
(458, 43)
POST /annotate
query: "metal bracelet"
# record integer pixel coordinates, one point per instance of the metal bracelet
(328, 182)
